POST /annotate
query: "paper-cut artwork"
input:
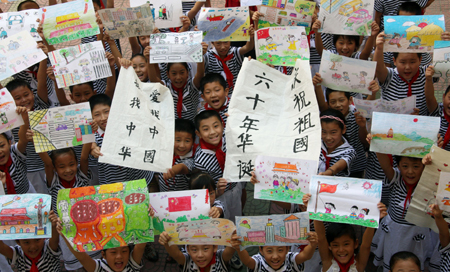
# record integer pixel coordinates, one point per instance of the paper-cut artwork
(61, 127)
(281, 45)
(283, 179)
(176, 47)
(401, 106)
(69, 21)
(105, 216)
(412, 33)
(216, 231)
(273, 230)
(15, 22)
(142, 135)
(226, 24)
(346, 74)
(443, 192)
(286, 13)
(79, 64)
(167, 13)
(403, 134)
(25, 216)
(271, 114)
(179, 206)
(345, 200)
(441, 59)
(9, 119)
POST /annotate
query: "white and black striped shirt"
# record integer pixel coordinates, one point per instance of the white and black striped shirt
(218, 266)
(81, 180)
(439, 112)
(345, 152)
(92, 161)
(327, 41)
(390, 8)
(102, 266)
(445, 258)
(287, 70)
(374, 171)
(314, 57)
(179, 182)
(352, 134)
(389, 58)
(289, 264)
(18, 170)
(398, 192)
(49, 260)
(221, 112)
(191, 100)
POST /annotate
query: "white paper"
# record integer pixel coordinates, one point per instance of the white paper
(15, 22)
(176, 47)
(167, 13)
(250, 3)
(443, 192)
(401, 106)
(441, 59)
(9, 119)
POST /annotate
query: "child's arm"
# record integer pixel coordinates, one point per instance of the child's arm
(362, 129)
(378, 16)
(95, 151)
(339, 166)
(250, 44)
(374, 87)
(384, 161)
(60, 93)
(381, 71)
(178, 169)
(173, 250)
(195, 9)
(42, 91)
(215, 212)
(111, 81)
(48, 166)
(54, 240)
(134, 44)
(308, 252)
(324, 251)
(228, 254)
(23, 141)
(317, 38)
(444, 235)
(248, 261)
(432, 104)
(6, 250)
(139, 249)
(114, 50)
(317, 79)
(255, 19)
(84, 158)
(200, 68)
(365, 53)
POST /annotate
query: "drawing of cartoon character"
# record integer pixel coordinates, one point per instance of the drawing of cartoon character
(396, 40)
(85, 70)
(291, 40)
(346, 77)
(336, 77)
(362, 78)
(3, 33)
(3, 118)
(291, 184)
(33, 31)
(283, 182)
(414, 42)
(160, 13)
(191, 38)
(244, 29)
(304, 42)
(76, 76)
(271, 46)
(13, 45)
(164, 12)
(363, 213)
(176, 40)
(275, 181)
(390, 133)
(354, 210)
(329, 206)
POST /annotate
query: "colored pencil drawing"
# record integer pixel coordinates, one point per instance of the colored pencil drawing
(25, 216)
(345, 200)
(401, 106)
(412, 33)
(286, 13)
(176, 47)
(15, 22)
(9, 119)
(227, 24)
(441, 59)
(403, 135)
(281, 45)
(273, 230)
(167, 13)
(443, 193)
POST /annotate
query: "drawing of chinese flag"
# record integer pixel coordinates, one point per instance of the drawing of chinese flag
(263, 33)
(327, 188)
(180, 204)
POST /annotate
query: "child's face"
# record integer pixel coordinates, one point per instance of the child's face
(66, 166)
(210, 130)
(5, 145)
(32, 247)
(140, 67)
(407, 64)
(222, 48)
(23, 97)
(201, 254)
(343, 248)
(338, 101)
(332, 135)
(117, 258)
(410, 169)
(183, 143)
(214, 94)
(178, 75)
(144, 40)
(274, 255)
(81, 93)
(405, 266)
(100, 115)
(446, 103)
(345, 47)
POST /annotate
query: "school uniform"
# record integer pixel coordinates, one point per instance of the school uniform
(327, 41)
(289, 264)
(335, 267)
(217, 263)
(445, 257)
(374, 171)
(185, 99)
(443, 129)
(181, 181)
(163, 69)
(345, 151)
(219, 204)
(390, 8)
(222, 111)
(352, 134)
(102, 266)
(48, 261)
(287, 70)
(17, 168)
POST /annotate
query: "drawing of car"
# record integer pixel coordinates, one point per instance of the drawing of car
(359, 16)
(15, 19)
(83, 62)
(350, 7)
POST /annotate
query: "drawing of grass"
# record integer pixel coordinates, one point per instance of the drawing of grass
(282, 195)
(158, 224)
(280, 60)
(328, 217)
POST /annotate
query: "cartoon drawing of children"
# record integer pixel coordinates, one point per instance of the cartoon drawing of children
(176, 40)
(271, 46)
(33, 31)
(86, 73)
(362, 79)
(329, 206)
(396, 40)
(291, 40)
(160, 12)
(275, 181)
(3, 118)
(414, 42)
(13, 45)
(244, 29)
(3, 33)
(363, 213)
(76, 76)
(354, 210)
(304, 42)
(345, 76)
(191, 38)
(283, 182)
(164, 12)
(291, 184)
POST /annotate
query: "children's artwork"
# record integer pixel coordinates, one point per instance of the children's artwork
(142, 133)
(441, 59)
(25, 216)
(281, 45)
(348, 17)
(78, 64)
(443, 192)
(167, 13)
(226, 24)
(283, 179)
(271, 114)
(345, 200)
(286, 13)
(250, 3)
(216, 231)
(403, 134)
(9, 119)
(15, 22)
(105, 216)
(61, 127)
(401, 106)
(69, 21)
(17, 53)
(273, 230)
(346, 74)
(176, 47)
(412, 33)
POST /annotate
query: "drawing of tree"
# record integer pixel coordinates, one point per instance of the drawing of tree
(335, 59)
(73, 52)
(65, 53)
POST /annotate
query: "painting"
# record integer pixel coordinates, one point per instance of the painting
(167, 13)
(346, 74)
(441, 59)
(9, 119)
(105, 216)
(443, 192)
(14, 22)
(78, 64)
(412, 33)
(345, 200)
(273, 230)
(25, 216)
(176, 47)
(283, 179)
(281, 45)
(401, 106)
(403, 134)
(61, 127)
(224, 24)
(179, 206)
(216, 231)
(286, 13)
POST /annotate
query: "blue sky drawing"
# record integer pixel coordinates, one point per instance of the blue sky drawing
(67, 8)
(441, 44)
(399, 24)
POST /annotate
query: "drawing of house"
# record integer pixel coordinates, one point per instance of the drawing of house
(68, 23)
(256, 236)
(292, 228)
(270, 232)
(285, 167)
(16, 221)
(429, 34)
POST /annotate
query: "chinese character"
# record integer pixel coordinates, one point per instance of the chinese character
(130, 128)
(296, 80)
(249, 124)
(261, 80)
(245, 168)
(300, 98)
(256, 98)
(301, 144)
(125, 152)
(304, 123)
(245, 140)
(154, 131)
(154, 96)
(137, 84)
(155, 113)
(135, 102)
(149, 156)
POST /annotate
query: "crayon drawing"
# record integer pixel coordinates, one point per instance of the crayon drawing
(286, 13)
(443, 193)
(401, 106)
(167, 13)
(441, 59)
(412, 33)
(105, 216)
(176, 47)
(403, 135)
(281, 45)
(283, 179)
(227, 24)
(25, 216)
(15, 22)
(61, 127)
(9, 119)
(345, 200)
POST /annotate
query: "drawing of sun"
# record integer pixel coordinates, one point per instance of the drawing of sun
(367, 185)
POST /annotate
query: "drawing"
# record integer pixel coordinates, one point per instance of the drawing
(203, 232)
(346, 74)
(401, 106)
(14, 22)
(227, 24)
(345, 200)
(167, 13)
(251, 3)
(69, 21)
(283, 179)
(61, 127)
(176, 47)
(412, 33)
(403, 135)
(441, 59)
(286, 13)
(443, 193)
(348, 17)
(9, 119)
(25, 216)
(273, 230)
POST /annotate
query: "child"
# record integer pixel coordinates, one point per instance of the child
(205, 181)
(444, 237)
(140, 66)
(215, 93)
(405, 261)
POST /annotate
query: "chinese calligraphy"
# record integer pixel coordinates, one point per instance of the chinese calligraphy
(126, 152)
(245, 168)
(130, 128)
(256, 98)
(149, 156)
(135, 102)
(153, 131)
(261, 78)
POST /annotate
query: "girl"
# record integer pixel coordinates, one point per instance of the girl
(202, 180)
(140, 66)
(405, 261)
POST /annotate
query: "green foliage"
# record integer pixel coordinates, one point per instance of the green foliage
(279, 60)
(329, 217)
(248, 243)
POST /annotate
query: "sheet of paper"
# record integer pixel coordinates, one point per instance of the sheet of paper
(167, 13)
(79, 64)
(401, 106)
(286, 13)
(179, 206)
(69, 21)
(105, 216)
(14, 22)
(142, 135)
(443, 192)
(345, 200)
(25, 216)
(176, 47)
(403, 134)
(224, 24)
(412, 33)
(61, 127)
(346, 74)
(271, 114)
(281, 45)
(8, 117)
(251, 3)
(283, 179)
(441, 59)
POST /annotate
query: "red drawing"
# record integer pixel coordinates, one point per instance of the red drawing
(215, 18)
(180, 204)
(228, 25)
(327, 188)
(112, 220)
(390, 133)
(85, 216)
(446, 201)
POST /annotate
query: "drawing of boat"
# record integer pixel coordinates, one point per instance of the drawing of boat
(228, 25)
(215, 18)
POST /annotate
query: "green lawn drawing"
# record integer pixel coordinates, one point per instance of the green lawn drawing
(329, 217)
(158, 224)
(282, 195)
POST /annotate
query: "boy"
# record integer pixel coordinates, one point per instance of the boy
(215, 93)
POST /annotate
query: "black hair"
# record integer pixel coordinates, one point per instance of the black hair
(205, 115)
(139, 55)
(16, 83)
(410, 7)
(354, 207)
(130, 247)
(348, 37)
(334, 113)
(97, 2)
(336, 230)
(182, 63)
(447, 90)
(185, 125)
(99, 99)
(202, 180)
(329, 203)
(365, 210)
(58, 152)
(396, 55)
(329, 91)
(397, 159)
(213, 77)
(90, 83)
(403, 256)
(5, 135)
(19, 7)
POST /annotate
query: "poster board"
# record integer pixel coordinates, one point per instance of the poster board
(441, 59)
(15, 22)
(286, 13)
(401, 106)
(224, 24)
(176, 47)
(9, 119)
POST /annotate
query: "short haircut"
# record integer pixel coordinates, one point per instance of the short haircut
(410, 7)
(213, 77)
(58, 152)
(403, 256)
(447, 90)
(396, 55)
(200, 180)
(330, 91)
(19, 7)
(185, 125)
(90, 83)
(336, 230)
(346, 37)
(99, 99)
(16, 83)
(205, 115)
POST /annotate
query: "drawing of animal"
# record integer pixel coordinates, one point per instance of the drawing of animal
(413, 150)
